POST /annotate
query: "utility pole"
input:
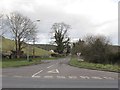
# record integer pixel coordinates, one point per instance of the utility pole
(28, 49)
(28, 52)
(33, 47)
(34, 41)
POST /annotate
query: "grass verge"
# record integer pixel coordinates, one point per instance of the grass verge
(107, 67)
(18, 63)
(5, 63)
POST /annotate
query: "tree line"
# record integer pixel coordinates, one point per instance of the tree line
(93, 48)
(24, 30)
(96, 49)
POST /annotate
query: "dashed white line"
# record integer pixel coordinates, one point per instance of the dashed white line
(72, 77)
(61, 77)
(96, 77)
(48, 76)
(37, 76)
(108, 78)
(18, 76)
(84, 77)
(34, 75)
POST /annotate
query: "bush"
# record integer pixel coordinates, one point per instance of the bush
(96, 49)
(114, 58)
(57, 55)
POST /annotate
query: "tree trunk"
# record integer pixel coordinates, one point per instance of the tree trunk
(19, 49)
(16, 45)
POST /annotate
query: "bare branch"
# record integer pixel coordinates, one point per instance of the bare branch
(22, 28)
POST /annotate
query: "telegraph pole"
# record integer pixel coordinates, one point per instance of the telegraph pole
(34, 41)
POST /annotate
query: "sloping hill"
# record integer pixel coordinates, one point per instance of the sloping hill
(47, 47)
(8, 45)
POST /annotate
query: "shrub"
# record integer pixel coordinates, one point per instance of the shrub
(114, 58)
(57, 55)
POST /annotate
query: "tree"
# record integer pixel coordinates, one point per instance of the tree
(60, 37)
(97, 49)
(78, 47)
(2, 25)
(23, 30)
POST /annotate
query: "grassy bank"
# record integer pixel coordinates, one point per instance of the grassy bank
(5, 63)
(8, 45)
(83, 64)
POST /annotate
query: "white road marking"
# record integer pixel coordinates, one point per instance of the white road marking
(57, 70)
(84, 77)
(96, 77)
(72, 77)
(37, 76)
(34, 75)
(18, 76)
(50, 66)
(48, 76)
(63, 77)
(108, 78)
(53, 71)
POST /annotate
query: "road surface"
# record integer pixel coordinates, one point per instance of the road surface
(57, 74)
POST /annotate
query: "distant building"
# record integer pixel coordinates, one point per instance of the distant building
(52, 51)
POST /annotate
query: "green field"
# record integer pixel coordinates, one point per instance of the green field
(8, 45)
(83, 64)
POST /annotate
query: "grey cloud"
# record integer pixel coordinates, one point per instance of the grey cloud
(80, 24)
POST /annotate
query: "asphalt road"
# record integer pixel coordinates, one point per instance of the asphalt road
(57, 74)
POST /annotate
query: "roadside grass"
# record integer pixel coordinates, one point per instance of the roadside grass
(0, 64)
(83, 64)
(6, 63)
(19, 62)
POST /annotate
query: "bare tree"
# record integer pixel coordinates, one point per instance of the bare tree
(0, 35)
(2, 30)
(60, 36)
(23, 30)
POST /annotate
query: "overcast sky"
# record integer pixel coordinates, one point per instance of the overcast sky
(85, 16)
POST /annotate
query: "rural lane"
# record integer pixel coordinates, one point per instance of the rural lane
(57, 74)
